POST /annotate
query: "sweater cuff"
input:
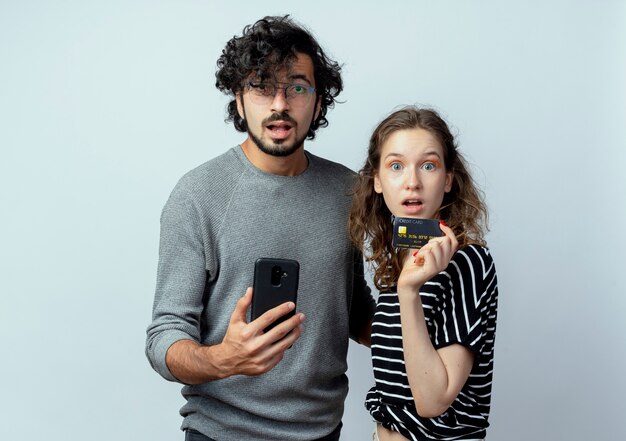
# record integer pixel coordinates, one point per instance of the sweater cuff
(159, 351)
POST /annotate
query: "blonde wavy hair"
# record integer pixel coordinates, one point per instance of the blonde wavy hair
(463, 208)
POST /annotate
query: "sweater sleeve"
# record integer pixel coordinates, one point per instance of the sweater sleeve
(181, 278)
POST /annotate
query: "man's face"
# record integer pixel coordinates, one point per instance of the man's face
(277, 124)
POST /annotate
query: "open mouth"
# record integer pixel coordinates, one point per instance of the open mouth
(412, 203)
(279, 127)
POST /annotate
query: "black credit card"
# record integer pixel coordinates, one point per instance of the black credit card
(414, 233)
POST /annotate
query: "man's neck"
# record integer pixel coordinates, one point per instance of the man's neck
(291, 165)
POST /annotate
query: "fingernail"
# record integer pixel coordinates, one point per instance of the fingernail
(415, 253)
(443, 223)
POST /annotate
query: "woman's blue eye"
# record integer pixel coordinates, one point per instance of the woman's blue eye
(396, 166)
(428, 166)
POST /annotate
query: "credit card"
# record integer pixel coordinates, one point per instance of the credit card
(414, 233)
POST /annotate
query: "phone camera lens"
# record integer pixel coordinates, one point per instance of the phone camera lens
(276, 275)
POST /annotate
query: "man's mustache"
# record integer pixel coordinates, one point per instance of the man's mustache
(279, 117)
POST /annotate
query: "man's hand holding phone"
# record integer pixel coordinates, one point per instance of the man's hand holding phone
(247, 349)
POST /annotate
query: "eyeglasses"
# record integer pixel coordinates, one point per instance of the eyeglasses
(297, 95)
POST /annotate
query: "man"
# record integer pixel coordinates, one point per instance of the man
(267, 197)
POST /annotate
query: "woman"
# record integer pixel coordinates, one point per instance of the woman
(434, 328)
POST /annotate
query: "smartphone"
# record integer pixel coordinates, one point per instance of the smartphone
(414, 233)
(275, 282)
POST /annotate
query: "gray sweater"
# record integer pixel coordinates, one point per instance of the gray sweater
(219, 219)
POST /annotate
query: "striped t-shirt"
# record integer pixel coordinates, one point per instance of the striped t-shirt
(460, 306)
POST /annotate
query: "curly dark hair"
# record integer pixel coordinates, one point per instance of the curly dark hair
(463, 208)
(266, 47)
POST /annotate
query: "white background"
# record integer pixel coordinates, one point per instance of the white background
(104, 105)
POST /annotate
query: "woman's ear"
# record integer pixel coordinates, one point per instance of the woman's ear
(449, 181)
(378, 188)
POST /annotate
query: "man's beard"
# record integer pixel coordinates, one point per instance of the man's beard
(276, 148)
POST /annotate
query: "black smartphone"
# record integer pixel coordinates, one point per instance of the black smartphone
(275, 282)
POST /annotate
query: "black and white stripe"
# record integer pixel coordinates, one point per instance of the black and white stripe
(460, 306)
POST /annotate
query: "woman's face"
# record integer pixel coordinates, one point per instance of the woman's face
(412, 177)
